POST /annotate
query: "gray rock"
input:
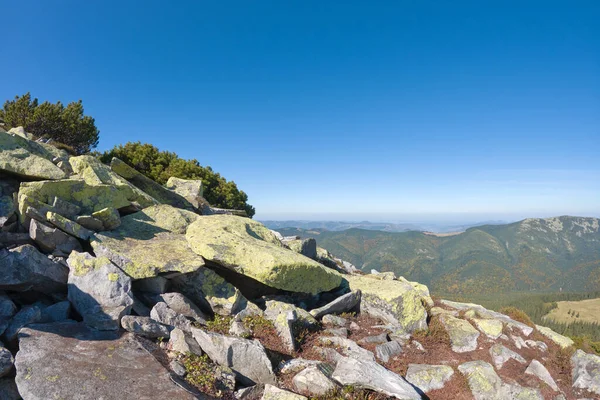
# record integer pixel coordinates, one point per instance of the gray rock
(68, 360)
(296, 365)
(145, 326)
(313, 381)
(154, 285)
(183, 342)
(247, 358)
(501, 354)
(388, 350)
(8, 389)
(6, 361)
(463, 336)
(7, 310)
(341, 332)
(376, 339)
(288, 319)
(25, 268)
(165, 315)
(184, 306)
(177, 368)
(65, 208)
(536, 368)
(274, 393)
(328, 354)
(89, 222)
(586, 371)
(429, 377)
(109, 217)
(370, 375)
(51, 239)
(140, 308)
(348, 347)
(342, 304)
(519, 342)
(334, 320)
(537, 344)
(68, 226)
(98, 290)
(56, 312)
(238, 328)
(27, 315)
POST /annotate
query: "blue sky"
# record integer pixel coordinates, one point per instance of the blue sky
(327, 110)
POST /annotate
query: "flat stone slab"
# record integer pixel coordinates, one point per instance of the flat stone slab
(68, 360)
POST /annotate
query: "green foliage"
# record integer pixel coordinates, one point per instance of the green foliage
(220, 324)
(161, 165)
(257, 322)
(350, 393)
(199, 372)
(64, 125)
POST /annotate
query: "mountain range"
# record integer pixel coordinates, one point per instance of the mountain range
(551, 254)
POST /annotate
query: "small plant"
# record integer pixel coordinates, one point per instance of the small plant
(219, 323)
(257, 322)
(517, 315)
(199, 372)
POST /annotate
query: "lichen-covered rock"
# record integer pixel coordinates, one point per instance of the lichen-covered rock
(68, 226)
(557, 338)
(145, 326)
(65, 208)
(492, 328)
(429, 377)
(183, 342)
(247, 358)
(68, 360)
(94, 172)
(162, 313)
(313, 381)
(274, 393)
(306, 247)
(463, 336)
(98, 290)
(396, 302)
(536, 368)
(189, 189)
(249, 248)
(334, 320)
(148, 186)
(24, 268)
(109, 217)
(150, 242)
(370, 375)
(501, 354)
(344, 303)
(586, 371)
(205, 285)
(89, 198)
(89, 222)
(184, 306)
(288, 319)
(18, 160)
(52, 240)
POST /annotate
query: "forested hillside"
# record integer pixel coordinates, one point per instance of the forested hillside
(534, 254)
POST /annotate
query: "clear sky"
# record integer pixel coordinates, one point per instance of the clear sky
(322, 109)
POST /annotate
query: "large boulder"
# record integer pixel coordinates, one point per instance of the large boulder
(249, 248)
(189, 189)
(247, 358)
(18, 160)
(98, 290)
(148, 186)
(94, 172)
(68, 360)
(24, 268)
(586, 371)
(463, 336)
(150, 242)
(75, 191)
(370, 375)
(396, 302)
(51, 239)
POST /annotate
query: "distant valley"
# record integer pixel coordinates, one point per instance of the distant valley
(551, 254)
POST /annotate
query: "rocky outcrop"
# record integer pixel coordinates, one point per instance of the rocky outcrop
(586, 371)
(68, 360)
(429, 377)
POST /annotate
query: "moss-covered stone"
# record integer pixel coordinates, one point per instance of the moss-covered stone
(150, 242)
(93, 172)
(429, 377)
(463, 336)
(89, 198)
(397, 302)
(19, 160)
(109, 217)
(492, 328)
(68, 226)
(251, 249)
(189, 189)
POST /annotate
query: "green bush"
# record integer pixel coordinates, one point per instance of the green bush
(161, 165)
(64, 125)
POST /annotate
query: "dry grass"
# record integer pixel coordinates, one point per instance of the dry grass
(587, 310)
(517, 315)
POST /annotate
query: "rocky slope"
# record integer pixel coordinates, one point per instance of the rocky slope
(533, 254)
(115, 287)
